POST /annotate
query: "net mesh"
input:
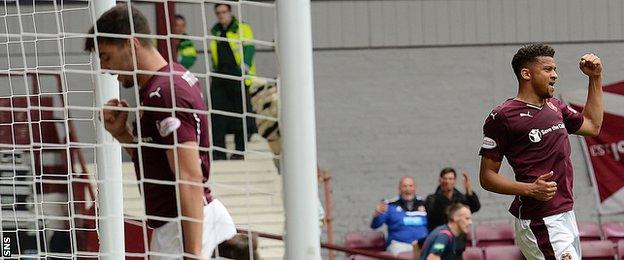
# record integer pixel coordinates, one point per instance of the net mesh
(49, 123)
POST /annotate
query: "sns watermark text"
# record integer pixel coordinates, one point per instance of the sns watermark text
(6, 246)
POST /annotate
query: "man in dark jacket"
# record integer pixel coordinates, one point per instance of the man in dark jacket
(446, 194)
(234, 58)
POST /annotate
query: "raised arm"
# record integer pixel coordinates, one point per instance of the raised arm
(541, 189)
(591, 66)
(472, 200)
(380, 215)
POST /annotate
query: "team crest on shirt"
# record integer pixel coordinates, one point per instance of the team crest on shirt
(535, 135)
(553, 107)
(167, 126)
(566, 256)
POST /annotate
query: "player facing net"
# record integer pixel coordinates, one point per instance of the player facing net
(52, 135)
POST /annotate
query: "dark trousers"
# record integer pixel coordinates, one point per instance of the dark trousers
(226, 95)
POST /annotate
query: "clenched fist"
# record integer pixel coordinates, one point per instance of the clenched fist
(543, 189)
(591, 65)
(115, 120)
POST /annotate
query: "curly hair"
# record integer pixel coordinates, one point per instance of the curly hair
(528, 54)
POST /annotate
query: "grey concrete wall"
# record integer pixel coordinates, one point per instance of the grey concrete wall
(383, 23)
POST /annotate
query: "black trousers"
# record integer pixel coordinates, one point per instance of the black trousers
(226, 95)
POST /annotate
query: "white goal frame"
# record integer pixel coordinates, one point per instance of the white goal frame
(109, 163)
(294, 49)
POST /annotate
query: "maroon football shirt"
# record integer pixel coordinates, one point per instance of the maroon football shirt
(163, 128)
(535, 141)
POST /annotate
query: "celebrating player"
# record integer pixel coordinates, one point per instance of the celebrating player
(531, 131)
(180, 170)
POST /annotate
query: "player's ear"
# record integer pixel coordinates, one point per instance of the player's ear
(135, 42)
(525, 74)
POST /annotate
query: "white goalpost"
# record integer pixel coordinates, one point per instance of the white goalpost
(299, 132)
(108, 161)
(67, 188)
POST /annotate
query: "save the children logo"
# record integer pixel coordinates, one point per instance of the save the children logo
(535, 135)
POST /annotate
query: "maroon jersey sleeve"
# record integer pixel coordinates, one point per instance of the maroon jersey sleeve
(571, 118)
(185, 124)
(494, 136)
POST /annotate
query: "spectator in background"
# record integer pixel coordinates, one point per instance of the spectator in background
(405, 217)
(227, 94)
(187, 54)
(440, 242)
(446, 194)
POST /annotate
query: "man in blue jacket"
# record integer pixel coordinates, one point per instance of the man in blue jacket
(405, 217)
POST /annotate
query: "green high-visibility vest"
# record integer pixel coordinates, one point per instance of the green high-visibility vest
(235, 33)
(187, 54)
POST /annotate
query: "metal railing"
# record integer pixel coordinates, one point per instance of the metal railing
(328, 246)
